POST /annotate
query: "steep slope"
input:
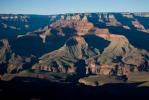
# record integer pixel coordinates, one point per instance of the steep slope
(65, 59)
(86, 43)
(119, 47)
(4, 50)
(120, 57)
(10, 62)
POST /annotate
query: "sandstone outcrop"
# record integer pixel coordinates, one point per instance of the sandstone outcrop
(65, 58)
(83, 27)
(9, 61)
(112, 21)
(77, 52)
(138, 25)
(4, 50)
(118, 58)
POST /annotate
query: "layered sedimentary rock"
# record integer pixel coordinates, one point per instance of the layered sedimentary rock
(66, 44)
(42, 33)
(9, 61)
(15, 64)
(128, 15)
(118, 58)
(138, 25)
(65, 58)
(121, 54)
(4, 50)
(112, 21)
(83, 27)
(76, 18)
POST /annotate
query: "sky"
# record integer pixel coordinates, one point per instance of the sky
(47, 7)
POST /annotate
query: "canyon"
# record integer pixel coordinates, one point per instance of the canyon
(79, 44)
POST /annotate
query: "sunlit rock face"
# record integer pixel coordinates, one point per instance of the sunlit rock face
(4, 49)
(83, 27)
(10, 62)
(138, 25)
(118, 58)
(65, 58)
(112, 21)
(4, 55)
(90, 43)
(119, 46)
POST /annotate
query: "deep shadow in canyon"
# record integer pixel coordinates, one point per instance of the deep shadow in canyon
(32, 88)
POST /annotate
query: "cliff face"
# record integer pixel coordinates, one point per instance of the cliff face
(4, 50)
(10, 62)
(21, 24)
(118, 58)
(65, 58)
(92, 43)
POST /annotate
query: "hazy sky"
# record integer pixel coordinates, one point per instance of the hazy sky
(70, 6)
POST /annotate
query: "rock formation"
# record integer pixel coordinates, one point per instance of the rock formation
(118, 58)
(65, 58)
(66, 44)
(83, 27)
(9, 61)
(138, 25)
(4, 50)
(112, 21)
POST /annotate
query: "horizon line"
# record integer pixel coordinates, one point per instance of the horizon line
(76, 13)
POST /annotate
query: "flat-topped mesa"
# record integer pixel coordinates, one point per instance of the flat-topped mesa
(105, 34)
(138, 25)
(42, 33)
(142, 14)
(23, 18)
(100, 31)
(113, 37)
(128, 15)
(118, 38)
